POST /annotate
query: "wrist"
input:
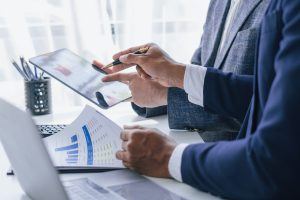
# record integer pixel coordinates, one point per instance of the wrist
(168, 155)
(177, 75)
(163, 96)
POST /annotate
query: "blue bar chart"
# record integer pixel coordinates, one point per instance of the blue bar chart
(89, 145)
(71, 150)
(92, 140)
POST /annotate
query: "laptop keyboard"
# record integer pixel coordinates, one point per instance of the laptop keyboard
(84, 189)
(47, 130)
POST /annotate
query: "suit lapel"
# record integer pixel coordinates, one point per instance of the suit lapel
(245, 9)
(219, 22)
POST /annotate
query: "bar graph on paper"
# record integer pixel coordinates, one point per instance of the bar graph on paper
(96, 150)
(92, 143)
(70, 150)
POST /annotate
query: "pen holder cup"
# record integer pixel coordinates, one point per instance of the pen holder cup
(38, 96)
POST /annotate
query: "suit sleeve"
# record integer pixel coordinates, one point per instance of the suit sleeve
(183, 114)
(227, 94)
(265, 165)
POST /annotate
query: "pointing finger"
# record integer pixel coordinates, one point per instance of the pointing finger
(120, 67)
(123, 77)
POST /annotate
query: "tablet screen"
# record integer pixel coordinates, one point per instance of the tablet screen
(80, 75)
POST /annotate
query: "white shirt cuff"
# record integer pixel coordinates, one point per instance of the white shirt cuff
(193, 85)
(175, 162)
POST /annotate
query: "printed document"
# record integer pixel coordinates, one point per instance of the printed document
(92, 140)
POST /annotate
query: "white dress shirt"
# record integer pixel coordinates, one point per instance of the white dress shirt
(193, 85)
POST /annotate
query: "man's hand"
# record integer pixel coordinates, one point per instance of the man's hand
(145, 93)
(146, 151)
(155, 64)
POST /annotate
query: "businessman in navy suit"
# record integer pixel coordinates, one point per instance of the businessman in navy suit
(264, 162)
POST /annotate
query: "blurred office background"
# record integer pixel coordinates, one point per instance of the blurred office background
(93, 29)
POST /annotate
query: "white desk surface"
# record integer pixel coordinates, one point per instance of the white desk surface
(121, 114)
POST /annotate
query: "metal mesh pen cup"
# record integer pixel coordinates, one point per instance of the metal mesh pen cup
(38, 96)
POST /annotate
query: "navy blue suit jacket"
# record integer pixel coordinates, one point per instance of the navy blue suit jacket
(264, 162)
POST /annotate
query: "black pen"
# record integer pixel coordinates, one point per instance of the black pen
(117, 62)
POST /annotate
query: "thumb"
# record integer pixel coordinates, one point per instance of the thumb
(122, 77)
(142, 73)
(131, 59)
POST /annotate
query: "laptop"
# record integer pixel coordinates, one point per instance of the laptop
(35, 172)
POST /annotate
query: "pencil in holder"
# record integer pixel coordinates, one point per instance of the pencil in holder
(38, 96)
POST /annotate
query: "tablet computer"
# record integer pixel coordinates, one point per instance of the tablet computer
(82, 77)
